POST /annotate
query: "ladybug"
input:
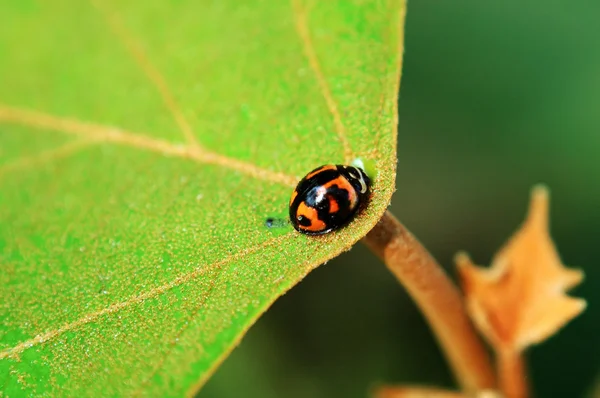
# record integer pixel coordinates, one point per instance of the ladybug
(327, 198)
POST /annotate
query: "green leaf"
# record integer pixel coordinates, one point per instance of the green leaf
(142, 146)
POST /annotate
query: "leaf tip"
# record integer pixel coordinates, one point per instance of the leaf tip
(539, 206)
(462, 259)
(572, 277)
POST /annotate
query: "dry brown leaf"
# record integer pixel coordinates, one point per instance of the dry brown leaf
(520, 300)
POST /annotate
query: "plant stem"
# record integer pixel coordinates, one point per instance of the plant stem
(511, 374)
(415, 392)
(437, 297)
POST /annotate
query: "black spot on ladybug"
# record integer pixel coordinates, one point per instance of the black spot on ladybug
(304, 221)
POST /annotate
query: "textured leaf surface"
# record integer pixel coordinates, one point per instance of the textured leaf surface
(142, 145)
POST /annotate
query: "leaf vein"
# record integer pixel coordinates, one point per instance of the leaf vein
(59, 152)
(116, 135)
(154, 292)
(311, 55)
(137, 52)
(163, 358)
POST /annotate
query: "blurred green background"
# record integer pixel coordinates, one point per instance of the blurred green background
(496, 96)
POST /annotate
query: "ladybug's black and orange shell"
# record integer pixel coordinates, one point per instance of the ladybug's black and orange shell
(327, 198)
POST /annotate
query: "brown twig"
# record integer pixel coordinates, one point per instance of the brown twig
(512, 375)
(437, 297)
(415, 392)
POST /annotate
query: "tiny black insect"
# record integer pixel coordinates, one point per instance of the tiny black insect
(273, 222)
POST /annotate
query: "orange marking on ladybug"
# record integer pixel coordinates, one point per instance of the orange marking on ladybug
(294, 194)
(333, 204)
(319, 170)
(343, 183)
(311, 214)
